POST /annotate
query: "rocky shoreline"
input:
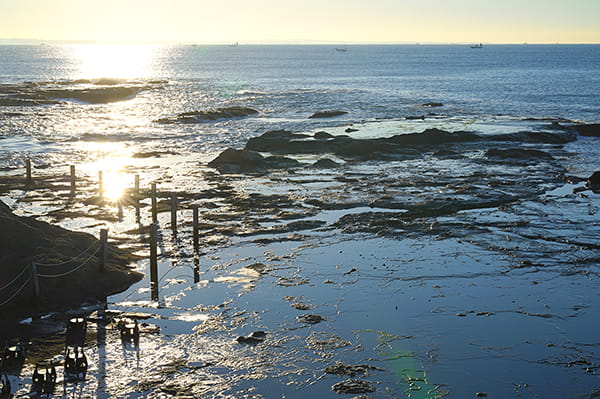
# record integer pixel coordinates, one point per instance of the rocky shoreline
(26, 240)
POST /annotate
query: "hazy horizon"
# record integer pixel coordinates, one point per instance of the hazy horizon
(288, 22)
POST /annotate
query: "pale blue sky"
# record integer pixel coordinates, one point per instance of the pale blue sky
(283, 21)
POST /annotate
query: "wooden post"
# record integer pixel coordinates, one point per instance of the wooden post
(73, 186)
(174, 213)
(137, 186)
(154, 206)
(195, 234)
(100, 182)
(136, 194)
(36, 282)
(28, 171)
(153, 262)
(120, 208)
(103, 250)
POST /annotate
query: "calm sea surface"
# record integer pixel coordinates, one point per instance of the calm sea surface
(288, 83)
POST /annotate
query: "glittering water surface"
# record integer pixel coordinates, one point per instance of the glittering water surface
(497, 297)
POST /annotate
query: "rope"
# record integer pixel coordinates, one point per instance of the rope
(15, 279)
(71, 271)
(68, 261)
(16, 293)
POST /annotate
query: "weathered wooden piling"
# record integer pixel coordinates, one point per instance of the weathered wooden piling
(28, 171)
(101, 182)
(35, 280)
(154, 205)
(174, 213)
(153, 262)
(137, 186)
(73, 178)
(136, 194)
(102, 256)
(196, 236)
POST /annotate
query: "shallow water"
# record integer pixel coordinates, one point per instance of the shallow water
(330, 264)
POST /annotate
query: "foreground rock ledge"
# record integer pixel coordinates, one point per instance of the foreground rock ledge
(25, 239)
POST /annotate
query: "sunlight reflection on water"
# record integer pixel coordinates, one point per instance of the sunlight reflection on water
(124, 61)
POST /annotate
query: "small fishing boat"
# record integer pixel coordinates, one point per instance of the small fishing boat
(480, 45)
(341, 49)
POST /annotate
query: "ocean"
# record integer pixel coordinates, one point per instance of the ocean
(442, 270)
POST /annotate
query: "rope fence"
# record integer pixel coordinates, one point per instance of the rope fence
(70, 271)
(17, 292)
(100, 251)
(70, 260)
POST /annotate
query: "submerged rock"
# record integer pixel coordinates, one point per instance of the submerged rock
(310, 318)
(353, 386)
(253, 339)
(349, 369)
(327, 114)
(209, 115)
(518, 154)
(432, 104)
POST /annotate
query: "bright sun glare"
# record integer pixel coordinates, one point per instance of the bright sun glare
(124, 61)
(115, 183)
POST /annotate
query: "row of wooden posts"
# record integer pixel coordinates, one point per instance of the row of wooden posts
(153, 229)
(153, 196)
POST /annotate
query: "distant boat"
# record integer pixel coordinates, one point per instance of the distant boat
(234, 44)
(341, 49)
(480, 45)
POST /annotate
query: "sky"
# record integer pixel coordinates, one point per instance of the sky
(305, 21)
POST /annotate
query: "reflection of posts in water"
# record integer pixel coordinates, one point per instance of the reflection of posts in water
(28, 171)
(196, 240)
(100, 182)
(196, 268)
(101, 344)
(153, 262)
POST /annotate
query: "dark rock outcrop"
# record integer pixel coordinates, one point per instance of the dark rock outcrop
(327, 114)
(563, 137)
(323, 136)
(593, 182)
(102, 95)
(236, 161)
(209, 115)
(26, 239)
(590, 130)
(324, 163)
